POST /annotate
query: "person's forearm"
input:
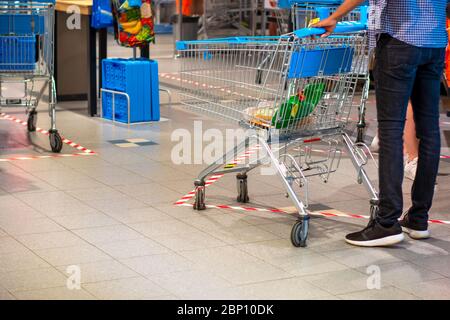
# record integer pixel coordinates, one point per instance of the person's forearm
(345, 8)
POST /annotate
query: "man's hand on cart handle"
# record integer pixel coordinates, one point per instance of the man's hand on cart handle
(329, 24)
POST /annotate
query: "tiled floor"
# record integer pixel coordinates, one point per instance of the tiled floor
(112, 216)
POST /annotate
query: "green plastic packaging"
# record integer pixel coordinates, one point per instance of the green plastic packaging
(299, 106)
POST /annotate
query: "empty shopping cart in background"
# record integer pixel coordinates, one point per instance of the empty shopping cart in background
(295, 87)
(26, 59)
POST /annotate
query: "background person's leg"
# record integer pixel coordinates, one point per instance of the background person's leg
(425, 101)
(411, 145)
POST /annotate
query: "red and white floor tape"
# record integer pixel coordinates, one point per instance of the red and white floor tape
(82, 151)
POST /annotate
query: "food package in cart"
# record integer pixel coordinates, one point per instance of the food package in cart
(135, 26)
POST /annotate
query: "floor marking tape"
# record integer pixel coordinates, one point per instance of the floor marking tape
(322, 213)
(46, 157)
(214, 178)
(84, 151)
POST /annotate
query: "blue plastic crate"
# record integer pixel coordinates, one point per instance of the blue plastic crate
(163, 28)
(17, 53)
(22, 24)
(320, 62)
(139, 79)
(120, 107)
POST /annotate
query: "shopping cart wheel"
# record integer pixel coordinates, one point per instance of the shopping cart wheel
(32, 120)
(299, 232)
(242, 188)
(199, 203)
(55, 141)
(374, 209)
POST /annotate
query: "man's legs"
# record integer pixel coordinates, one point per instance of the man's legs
(394, 72)
(394, 77)
(425, 102)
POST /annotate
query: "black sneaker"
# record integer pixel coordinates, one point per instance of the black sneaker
(375, 235)
(413, 230)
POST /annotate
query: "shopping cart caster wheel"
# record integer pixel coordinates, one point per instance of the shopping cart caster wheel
(242, 188)
(299, 232)
(32, 120)
(55, 141)
(374, 208)
(199, 203)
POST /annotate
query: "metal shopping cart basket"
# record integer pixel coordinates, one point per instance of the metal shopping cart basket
(296, 89)
(26, 58)
(305, 12)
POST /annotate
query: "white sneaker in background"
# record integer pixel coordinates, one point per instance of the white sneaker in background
(410, 168)
(375, 146)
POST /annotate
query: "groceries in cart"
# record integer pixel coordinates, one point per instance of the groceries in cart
(290, 112)
(135, 26)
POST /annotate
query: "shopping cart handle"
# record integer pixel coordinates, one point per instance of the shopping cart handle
(342, 27)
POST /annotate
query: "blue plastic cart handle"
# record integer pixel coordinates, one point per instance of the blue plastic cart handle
(342, 27)
(319, 2)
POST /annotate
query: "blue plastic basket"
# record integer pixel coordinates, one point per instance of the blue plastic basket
(139, 79)
(323, 62)
(17, 53)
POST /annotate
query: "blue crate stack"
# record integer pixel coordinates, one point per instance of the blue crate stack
(139, 79)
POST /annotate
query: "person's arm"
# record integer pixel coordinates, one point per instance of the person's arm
(329, 23)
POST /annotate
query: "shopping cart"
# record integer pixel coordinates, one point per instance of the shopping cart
(291, 92)
(26, 59)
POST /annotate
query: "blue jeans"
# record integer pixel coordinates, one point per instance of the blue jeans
(404, 72)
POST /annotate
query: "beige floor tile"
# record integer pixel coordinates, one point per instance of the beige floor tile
(361, 257)
(191, 284)
(398, 273)
(387, 293)
(102, 271)
(189, 241)
(132, 248)
(250, 273)
(32, 279)
(241, 235)
(22, 213)
(59, 239)
(85, 221)
(72, 255)
(10, 245)
(163, 227)
(341, 282)
(126, 289)
(290, 289)
(438, 264)
(21, 260)
(131, 216)
(95, 193)
(218, 221)
(60, 293)
(107, 234)
(433, 290)
(29, 226)
(5, 295)
(158, 264)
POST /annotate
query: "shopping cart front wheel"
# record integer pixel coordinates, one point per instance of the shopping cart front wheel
(299, 232)
(55, 141)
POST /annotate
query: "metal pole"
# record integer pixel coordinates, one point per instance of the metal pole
(180, 20)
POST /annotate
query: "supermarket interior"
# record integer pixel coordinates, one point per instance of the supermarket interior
(218, 149)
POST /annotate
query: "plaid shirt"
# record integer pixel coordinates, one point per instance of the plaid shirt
(421, 23)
